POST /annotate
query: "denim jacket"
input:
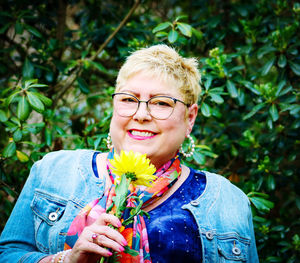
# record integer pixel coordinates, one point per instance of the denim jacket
(62, 183)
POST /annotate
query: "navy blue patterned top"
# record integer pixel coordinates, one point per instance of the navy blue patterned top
(172, 231)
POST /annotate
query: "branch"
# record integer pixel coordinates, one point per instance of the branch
(63, 87)
(137, 2)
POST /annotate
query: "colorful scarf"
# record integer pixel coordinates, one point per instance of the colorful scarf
(135, 233)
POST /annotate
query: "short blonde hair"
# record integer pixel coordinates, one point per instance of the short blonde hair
(163, 62)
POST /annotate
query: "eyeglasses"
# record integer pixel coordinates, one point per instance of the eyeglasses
(159, 107)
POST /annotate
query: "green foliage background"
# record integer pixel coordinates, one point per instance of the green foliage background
(58, 65)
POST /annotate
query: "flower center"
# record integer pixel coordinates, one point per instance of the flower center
(131, 176)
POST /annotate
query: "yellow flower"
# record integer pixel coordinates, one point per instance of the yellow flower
(135, 166)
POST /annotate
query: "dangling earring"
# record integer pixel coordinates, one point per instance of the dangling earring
(191, 147)
(108, 142)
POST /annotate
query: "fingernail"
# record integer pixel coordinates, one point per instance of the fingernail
(121, 249)
(109, 253)
(119, 224)
(124, 242)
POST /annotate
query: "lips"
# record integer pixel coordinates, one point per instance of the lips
(141, 135)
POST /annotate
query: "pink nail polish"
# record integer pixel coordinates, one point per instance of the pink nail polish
(124, 242)
(121, 249)
(109, 253)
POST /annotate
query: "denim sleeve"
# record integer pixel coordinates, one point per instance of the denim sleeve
(17, 241)
(252, 256)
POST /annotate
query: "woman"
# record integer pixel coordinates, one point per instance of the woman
(201, 217)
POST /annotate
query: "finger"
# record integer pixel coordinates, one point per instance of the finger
(102, 240)
(109, 232)
(105, 219)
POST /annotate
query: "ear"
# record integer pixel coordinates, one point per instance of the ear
(192, 115)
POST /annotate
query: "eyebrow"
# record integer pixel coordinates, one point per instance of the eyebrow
(151, 95)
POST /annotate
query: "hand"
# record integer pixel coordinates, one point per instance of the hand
(87, 249)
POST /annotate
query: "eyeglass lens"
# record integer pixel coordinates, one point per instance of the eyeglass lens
(160, 107)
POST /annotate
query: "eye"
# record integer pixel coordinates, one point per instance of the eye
(127, 99)
(162, 102)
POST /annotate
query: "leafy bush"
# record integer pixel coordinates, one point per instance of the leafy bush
(58, 67)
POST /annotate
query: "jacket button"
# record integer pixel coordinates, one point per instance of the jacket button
(195, 202)
(236, 251)
(53, 216)
(209, 235)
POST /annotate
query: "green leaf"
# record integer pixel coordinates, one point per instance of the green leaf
(197, 33)
(121, 193)
(4, 28)
(28, 69)
(199, 158)
(48, 136)
(161, 27)
(266, 68)
(274, 112)
(282, 61)
(19, 28)
(254, 110)
(83, 86)
(35, 102)
(44, 99)
(3, 116)
(23, 109)
(130, 251)
(216, 98)
(23, 157)
(172, 36)
(261, 203)
(11, 97)
(205, 109)
(185, 29)
(17, 135)
(33, 31)
(98, 66)
(295, 68)
(231, 89)
(9, 150)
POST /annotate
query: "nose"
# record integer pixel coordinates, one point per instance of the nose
(142, 113)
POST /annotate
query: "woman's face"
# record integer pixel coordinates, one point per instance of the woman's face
(159, 139)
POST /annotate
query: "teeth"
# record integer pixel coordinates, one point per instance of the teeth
(145, 134)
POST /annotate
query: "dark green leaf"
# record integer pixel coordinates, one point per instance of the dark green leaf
(19, 28)
(197, 33)
(83, 85)
(11, 98)
(231, 89)
(282, 61)
(266, 68)
(121, 193)
(9, 150)
(205, 109)
(17, 135)
(48, 136)
(33, 31)
(28, 69)
(161, 27)
(23, 109)
(185, 29)
(99, 66)
(172, 36)
(3, 116)
(254, 110)
(274, 112)
(295, 67)
(4, 28)
(35, 102)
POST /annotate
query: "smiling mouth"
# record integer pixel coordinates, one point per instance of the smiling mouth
(141, 134)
